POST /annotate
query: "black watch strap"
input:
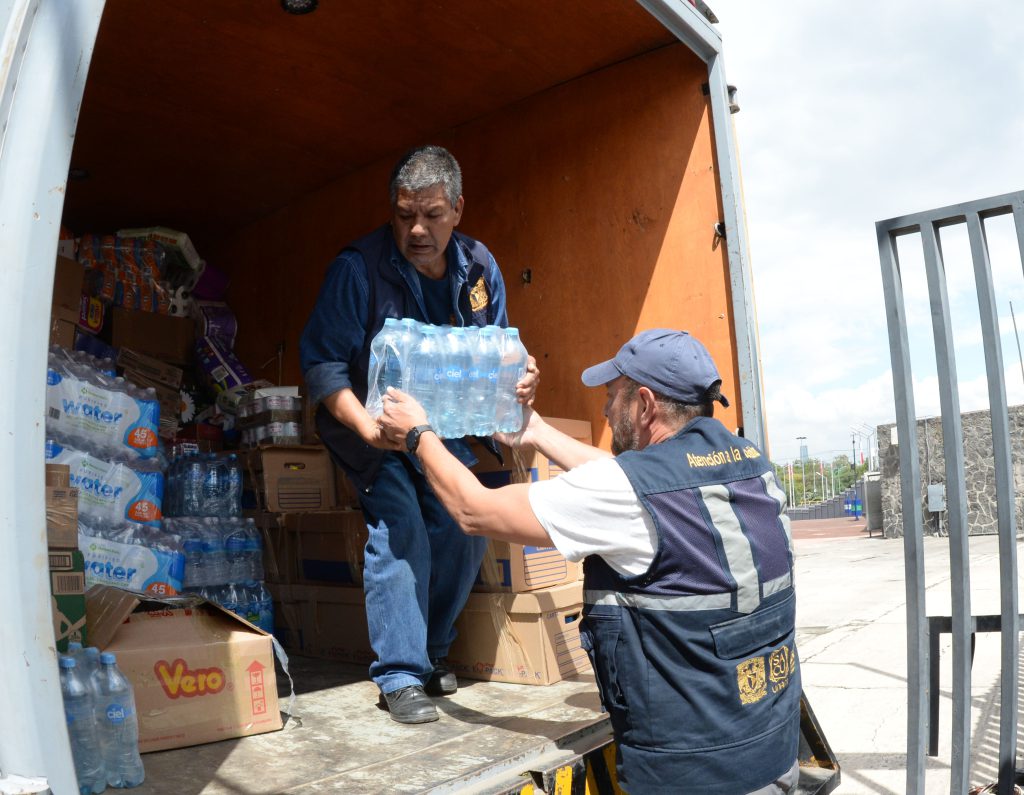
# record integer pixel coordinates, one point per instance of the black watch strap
(412, 439)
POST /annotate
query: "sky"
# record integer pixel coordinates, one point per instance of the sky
(852, 113)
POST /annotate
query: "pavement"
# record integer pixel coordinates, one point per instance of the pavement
(851, 636)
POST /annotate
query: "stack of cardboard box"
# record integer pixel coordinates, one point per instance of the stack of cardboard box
(521, 624)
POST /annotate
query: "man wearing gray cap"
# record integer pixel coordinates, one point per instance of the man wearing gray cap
(689, 615)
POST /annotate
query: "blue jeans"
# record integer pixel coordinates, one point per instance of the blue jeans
(420, 568)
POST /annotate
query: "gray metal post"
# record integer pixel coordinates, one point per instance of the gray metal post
(961, 623)
(47, 46)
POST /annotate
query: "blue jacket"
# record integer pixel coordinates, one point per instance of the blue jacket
(368, 282)
(696, 658)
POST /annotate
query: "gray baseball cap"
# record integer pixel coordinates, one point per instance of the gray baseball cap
(672, 363)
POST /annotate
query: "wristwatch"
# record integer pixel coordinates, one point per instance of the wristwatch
(412, 439)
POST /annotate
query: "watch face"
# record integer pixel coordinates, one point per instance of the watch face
(412, 439)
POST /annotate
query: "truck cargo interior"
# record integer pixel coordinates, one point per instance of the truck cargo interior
(582, 129)
(598, 167)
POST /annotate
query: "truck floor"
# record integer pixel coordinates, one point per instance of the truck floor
(340, 741)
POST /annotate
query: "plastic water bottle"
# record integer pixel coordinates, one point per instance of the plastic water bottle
(211, 486)
(409, 337)
(456, 360)
(236, 550)
(214, 560)
(192, 486)
(386, 364)
(266, 607)
(426, 371)
(234, 486)
(83, 731)
(483, 389)
(508, 411)
(254, 550)
(120, 725)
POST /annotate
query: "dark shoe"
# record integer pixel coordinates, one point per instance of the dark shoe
(442, 682)
(409, 705)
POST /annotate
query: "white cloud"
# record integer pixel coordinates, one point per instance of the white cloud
(850, 115)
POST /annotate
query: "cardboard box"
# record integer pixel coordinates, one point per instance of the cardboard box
(291, 477)
(150, 370)
(322, 621)
(62, 517)
(315, 547)
(67, 283)
(345, 493)
(58, 475)
(516, 568)
(63, 326)
(200, 673)
(67, 596)
(530, 638)
(524, 464)
(170, 339)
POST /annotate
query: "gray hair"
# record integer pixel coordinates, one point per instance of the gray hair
(424, 167)
(676, 411)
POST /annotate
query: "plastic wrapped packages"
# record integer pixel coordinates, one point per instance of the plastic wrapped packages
(90, 410)
(112, 491)
(132, 556)
(126, 272)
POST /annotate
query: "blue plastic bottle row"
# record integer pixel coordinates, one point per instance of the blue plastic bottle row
(203, 484)
(103, 727)
(464, 377)
(218, 551)
(250, 599)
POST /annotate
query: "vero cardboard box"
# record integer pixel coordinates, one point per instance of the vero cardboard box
(517, 568)
(530, 638)
(200, 673)
(324, 547)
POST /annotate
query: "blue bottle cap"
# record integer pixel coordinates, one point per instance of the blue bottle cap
(66, 662)
(108, 658)
(74, 646)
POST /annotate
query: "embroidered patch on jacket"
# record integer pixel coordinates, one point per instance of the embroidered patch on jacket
(751, 680)
(478, 295)
(781, 666)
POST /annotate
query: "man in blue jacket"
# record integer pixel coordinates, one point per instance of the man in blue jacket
(689, 607)
(419, 567)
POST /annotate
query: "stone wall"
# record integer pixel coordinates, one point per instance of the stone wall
(979, 471)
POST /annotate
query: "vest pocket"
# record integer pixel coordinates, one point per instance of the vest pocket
(600, 636)
(741, 636)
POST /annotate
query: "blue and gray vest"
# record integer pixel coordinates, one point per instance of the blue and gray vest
(696, 658)
(391, 295)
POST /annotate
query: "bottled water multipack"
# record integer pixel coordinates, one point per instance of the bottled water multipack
(132, 556)
(112, 491)
(464, 377)
(108, 416)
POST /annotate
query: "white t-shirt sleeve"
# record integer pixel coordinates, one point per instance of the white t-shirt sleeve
(593, 510)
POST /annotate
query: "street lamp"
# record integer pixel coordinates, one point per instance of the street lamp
(803, 481)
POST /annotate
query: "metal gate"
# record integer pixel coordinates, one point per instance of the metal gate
(922, 638)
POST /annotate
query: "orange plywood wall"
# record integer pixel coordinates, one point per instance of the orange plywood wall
(604, 188)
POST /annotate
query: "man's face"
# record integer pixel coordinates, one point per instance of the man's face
(618, 408)
(422, 222)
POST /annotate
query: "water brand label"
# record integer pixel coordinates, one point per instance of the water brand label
(180, 681)
(117, 713)
(131, 566)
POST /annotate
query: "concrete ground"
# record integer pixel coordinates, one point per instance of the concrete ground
(851, 634)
